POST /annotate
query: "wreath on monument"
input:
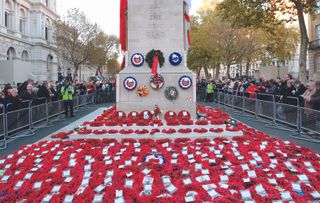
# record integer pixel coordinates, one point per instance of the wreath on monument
(171, 93)
(150, 56)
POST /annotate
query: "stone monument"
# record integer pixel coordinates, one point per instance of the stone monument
(159, 25)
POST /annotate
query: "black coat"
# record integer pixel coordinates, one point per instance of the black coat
(13, 103)
(315, 100)
(28, 96)
(298, 92)
(43, 93)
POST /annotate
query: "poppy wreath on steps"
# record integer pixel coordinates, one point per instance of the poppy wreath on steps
(171, 116)
(184, 115)
(145, 116)
(133, 116)
(150, 57)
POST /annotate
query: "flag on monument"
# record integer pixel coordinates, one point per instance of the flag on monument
(187, 23)
(155, 66)
(123, 28)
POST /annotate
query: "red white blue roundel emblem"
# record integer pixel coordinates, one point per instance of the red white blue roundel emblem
(130, 83)
(175, 59)
(155, 158)
(137, 59)
(185, 82)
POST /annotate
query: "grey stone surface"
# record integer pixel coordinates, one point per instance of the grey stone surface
(156, 24)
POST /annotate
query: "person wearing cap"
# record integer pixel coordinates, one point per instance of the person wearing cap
(67, 92)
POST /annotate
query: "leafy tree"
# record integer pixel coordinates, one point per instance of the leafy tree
(79, 40)
(268, 14)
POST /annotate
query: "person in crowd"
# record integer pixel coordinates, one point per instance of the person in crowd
(44, 92)
(252, 89)
(90, 87)
(23, 86)
(262, 84)
(67, 92)
(299, 90)
(12, 100)
(272, 87)
(287, 94)
(210, 91)
(54, 93)
(28, 94)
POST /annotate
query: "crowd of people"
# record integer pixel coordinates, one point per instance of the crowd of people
(287, 90)
(18, 96)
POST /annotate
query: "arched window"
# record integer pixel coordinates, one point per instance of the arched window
(317, 63)
(8, 14)
(11, 54)
(47, 30)
(25, 55)
(23, 21)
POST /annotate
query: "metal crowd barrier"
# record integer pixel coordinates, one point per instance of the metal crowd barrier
(23, 121)
(3, 137)
(284, 113)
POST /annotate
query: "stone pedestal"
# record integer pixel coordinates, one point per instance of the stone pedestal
(156, 24)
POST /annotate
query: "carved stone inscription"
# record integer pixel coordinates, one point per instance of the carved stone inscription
(155, 21)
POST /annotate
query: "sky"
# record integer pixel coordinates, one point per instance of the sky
(103, 12)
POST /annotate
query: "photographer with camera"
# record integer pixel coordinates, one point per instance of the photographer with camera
(67, 92)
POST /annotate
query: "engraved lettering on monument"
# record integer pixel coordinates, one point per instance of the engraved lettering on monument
(155, 21)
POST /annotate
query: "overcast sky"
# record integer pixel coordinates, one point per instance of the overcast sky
(103, 12)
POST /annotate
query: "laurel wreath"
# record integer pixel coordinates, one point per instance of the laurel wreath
(150, 56)
(171, 93)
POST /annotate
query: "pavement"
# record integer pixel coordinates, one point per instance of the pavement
(92, 110)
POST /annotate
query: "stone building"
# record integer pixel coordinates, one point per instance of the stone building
(27, 47)
(314, 47)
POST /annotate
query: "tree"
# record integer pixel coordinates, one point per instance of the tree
(267, 14)
(79, 40)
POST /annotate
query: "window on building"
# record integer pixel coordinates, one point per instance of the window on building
(318, 31)
(8, 17)
(47, 30)
(25, 55)
(23, 21)
(317, 63)
(318, 7)
(47, 2)
(11, 54)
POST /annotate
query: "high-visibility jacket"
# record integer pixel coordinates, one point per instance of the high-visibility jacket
(67, 92)
(210, 88)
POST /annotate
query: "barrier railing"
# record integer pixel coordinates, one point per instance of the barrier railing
(16, 122)
(3, 137)
(285, 113)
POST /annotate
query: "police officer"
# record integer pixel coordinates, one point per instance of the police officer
(67, 92)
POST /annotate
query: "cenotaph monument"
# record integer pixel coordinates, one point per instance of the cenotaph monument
(156, 71)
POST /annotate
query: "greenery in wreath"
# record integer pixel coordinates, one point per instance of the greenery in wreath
(150, 56)
(171, 93)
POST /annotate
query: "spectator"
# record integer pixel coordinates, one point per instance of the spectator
(67, 92)
(90, 87)
(23, 86)
(28, 94)
(210, 91)
(314, 99)
(299, 91)
(287, 94)
(12, 100)
(43, 92)
(54, 93)
(272, 87)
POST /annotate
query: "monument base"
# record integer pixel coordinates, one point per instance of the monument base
(129, 101)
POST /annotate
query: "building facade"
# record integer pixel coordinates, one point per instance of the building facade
(27, 48)
(314, 46)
